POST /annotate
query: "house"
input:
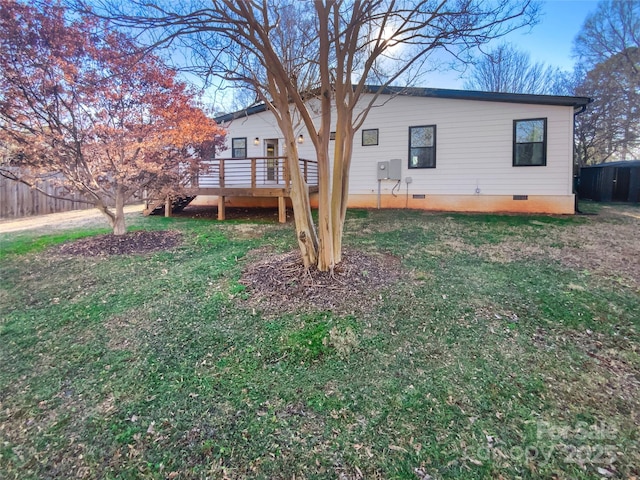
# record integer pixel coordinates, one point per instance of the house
(611, 182)
(433, 149)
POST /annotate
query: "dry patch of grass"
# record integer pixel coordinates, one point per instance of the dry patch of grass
(603, 247)
(609, 377)
(245, 230)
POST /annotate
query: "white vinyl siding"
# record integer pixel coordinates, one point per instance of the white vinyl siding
(474, 147)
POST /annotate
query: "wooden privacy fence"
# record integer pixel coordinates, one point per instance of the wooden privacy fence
(19, 200)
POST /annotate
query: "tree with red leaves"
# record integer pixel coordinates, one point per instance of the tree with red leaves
(83, 101)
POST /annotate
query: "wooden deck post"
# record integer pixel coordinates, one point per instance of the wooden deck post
(221, 197)
(167, 206)
(220, 207)
(221, 173)
(253, 172)
(282, 209)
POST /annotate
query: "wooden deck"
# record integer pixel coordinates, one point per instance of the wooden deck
(242, 177)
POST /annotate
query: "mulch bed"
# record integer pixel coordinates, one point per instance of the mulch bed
(280, 283)
(127, 244)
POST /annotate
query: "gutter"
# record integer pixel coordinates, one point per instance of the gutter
(580, 110)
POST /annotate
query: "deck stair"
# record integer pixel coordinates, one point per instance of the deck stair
(157, 207)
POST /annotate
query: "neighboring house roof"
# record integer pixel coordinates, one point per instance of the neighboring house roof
(556, 100)
(621, 163)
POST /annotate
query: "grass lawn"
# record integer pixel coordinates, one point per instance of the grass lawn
(508, 348)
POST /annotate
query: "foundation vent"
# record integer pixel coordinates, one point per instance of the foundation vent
(521, 197)
(419, 196)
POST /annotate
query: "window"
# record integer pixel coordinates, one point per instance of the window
(422, 147)
(370, 137)
(239, 147)
(530, 142)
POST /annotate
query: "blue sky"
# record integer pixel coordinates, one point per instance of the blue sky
(551, 41)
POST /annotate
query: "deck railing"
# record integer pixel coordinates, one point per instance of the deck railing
(254, 172)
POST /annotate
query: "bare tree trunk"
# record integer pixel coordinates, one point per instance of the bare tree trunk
(326, 258)
(299, 193)
(627, 137)
(116, 217)
(110, 216)
(341, 166)
(305, 229)
(119, 227)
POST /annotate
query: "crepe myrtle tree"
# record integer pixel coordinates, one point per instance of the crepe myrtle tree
(314, 62)
(84, 102)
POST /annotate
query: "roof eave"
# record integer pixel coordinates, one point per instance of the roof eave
(557, 100)
(474, 95)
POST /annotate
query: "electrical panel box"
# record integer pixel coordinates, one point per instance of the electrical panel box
(390, 170)
(395, 169)
(383, 170)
